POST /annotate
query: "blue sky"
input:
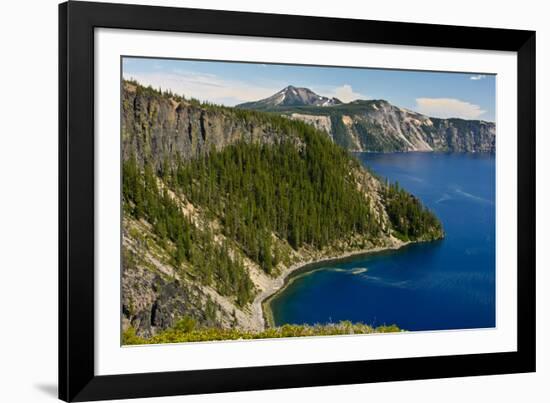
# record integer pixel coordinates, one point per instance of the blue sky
(436, 94)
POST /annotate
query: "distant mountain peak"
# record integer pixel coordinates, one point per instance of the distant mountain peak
(291, 96)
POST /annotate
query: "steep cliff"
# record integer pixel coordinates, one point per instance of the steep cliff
(156, 128)
(220, 204)
(377, 125)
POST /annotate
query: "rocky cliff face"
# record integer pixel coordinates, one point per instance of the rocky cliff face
(155, 296)
(158, 128)
(380, 126)
(377, 125)
(161, 129)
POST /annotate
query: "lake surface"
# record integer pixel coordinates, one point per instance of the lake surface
(448, 284)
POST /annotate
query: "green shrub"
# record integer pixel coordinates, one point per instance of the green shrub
(179, 335)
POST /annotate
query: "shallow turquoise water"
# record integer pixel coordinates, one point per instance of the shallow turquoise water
(448, 284)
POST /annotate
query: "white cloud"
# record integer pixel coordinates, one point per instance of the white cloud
(203, 86)
(213, 88)
(478, 77)
(344, 93)
(448, 108)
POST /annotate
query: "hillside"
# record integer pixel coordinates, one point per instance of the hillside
(220, 204)
(377, 125)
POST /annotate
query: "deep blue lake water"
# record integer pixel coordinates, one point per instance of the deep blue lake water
(448, 284)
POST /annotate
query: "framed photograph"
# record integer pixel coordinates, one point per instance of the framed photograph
(256, 201)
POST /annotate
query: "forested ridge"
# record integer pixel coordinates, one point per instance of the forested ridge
(377, 125)
(209, 262)
(274, 191)
(410, 220)
(302, 196)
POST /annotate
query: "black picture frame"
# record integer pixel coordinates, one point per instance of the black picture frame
(77, 379)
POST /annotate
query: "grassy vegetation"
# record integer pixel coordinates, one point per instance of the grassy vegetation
(185, 331)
